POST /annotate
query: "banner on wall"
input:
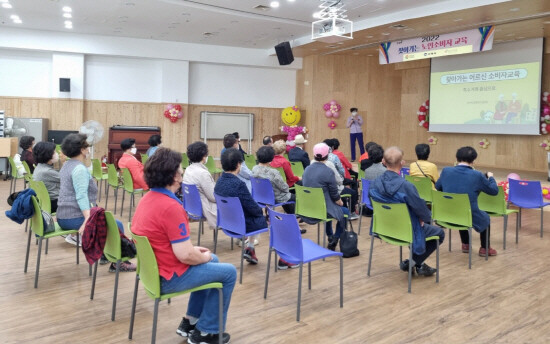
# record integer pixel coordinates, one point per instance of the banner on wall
(470, 41)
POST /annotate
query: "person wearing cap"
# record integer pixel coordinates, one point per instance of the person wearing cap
(319, 175)
(354, 124)
(298, 154)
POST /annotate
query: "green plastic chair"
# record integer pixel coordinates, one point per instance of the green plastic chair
(43, 200)
(37, 226)
(250, 161)
(14, 176)
(495, 206)
(148, 273)
(28, 175)
(310, 202)
(128, 186)
(184, 161)
(112, 252)
(58, 150)
(423, 186)
(211, 166)
(453, 211)
(391, 222)
(98, 175)
(144, 158)
(281, 172)
(297, 168)
(112, 180)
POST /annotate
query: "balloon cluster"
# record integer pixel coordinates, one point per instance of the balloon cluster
(484, 143)
(173, 112)
(545, 114)
(332, 124)
(332, 109)
(546, 192)
(424, 115)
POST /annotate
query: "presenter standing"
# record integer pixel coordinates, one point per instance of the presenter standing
(354, 124)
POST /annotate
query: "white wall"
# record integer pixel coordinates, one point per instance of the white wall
(25, 73)
(68, 66)
(214, 84)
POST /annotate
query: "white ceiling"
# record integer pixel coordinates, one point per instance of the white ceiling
(230, 22)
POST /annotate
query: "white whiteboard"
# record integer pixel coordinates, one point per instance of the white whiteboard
(215, 125)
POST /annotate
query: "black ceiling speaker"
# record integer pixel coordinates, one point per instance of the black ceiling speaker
(64, 85)
(284, 53)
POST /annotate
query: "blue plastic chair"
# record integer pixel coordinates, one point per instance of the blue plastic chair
(193, 206)
(527, 194)
(231, 221)
(405, 171)
(365, 200)
(285, 239)
(262, 192)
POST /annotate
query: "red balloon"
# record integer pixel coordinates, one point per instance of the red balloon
(421, 118)
(428, 102)
(177, 107)
(422, 108)
(425, 125)
(167, 114)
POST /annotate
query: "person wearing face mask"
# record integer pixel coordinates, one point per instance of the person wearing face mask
(77, 188)
(354, 124)
(45, 156)
(198, 175)
(129, 161)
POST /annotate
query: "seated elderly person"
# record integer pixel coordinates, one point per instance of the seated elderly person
(129, 161)
(45, 156)
(318, 175)
(229, 185)
(377, 168)
(154, 143)
(462, 178)
(391, 188)
(334, 158)
(197, 174)
(230, 141)
(364, 159)
(280, 161)
(422, 167)
(161, 218)
(26, 143)
(267, 141)
(298, 154)
(263, 170)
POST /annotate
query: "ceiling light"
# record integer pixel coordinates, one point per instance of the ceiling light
(68, 27)
(67, 9)
(274, 4)
(67, 15)
(14, 16)
(6, 5)
(17, 21)
(290, 0)
(3, 1)
(68, 22)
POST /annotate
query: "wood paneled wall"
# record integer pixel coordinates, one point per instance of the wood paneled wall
(68, 114)
(388, 97)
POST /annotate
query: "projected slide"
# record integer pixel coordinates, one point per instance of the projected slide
(492, 99)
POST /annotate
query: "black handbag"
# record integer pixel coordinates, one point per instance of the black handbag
(49, 223)
(348, 244)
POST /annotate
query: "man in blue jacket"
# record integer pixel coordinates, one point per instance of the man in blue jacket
(464, 179)
(391, 188)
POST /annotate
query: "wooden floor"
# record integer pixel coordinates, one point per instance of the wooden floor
(505, 300)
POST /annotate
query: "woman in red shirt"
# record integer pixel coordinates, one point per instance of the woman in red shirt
(129, 161)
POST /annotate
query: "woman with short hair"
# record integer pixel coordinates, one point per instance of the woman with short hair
(160, 217)
(26, 143)
(197, 174)
(129, 161)
(45, 156)
(280, 161)
(154, 143)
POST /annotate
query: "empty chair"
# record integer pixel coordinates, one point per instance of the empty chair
(527, 194)
(286, 241)
(495, 206)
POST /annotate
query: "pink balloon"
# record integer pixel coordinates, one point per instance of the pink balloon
(336, 114)
(328, 113)
(333, 102)
(546, 110)
(514, 176)
(169, 107)
(180, 115)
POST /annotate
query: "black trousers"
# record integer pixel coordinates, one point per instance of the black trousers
(354, 197)
(465, 238)
(290, 208)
